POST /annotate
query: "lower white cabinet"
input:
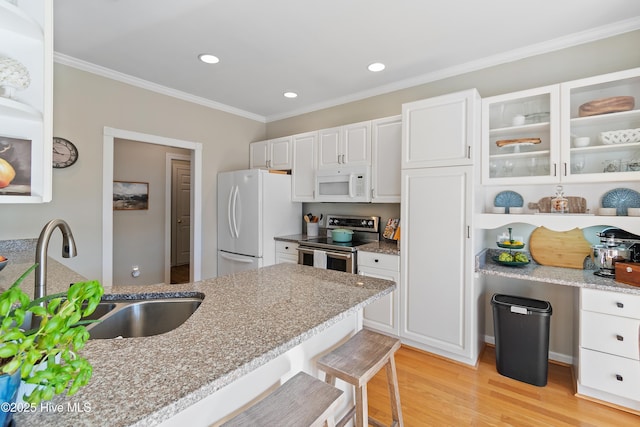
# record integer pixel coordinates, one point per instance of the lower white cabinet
(382, 315)
(609, 354)
(286, 252)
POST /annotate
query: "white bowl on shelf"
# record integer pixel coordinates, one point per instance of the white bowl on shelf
(633, 211)
(607, 211)
(581, 141)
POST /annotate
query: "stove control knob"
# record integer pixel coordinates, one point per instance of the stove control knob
(370, 223)
(364, 222)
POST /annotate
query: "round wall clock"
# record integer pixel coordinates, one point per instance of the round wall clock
(64, 153)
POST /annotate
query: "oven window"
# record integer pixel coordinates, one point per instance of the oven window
(337, 264)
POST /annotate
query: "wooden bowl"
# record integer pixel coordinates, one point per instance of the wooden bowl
(613, 104)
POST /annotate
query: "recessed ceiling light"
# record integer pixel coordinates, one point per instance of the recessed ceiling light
(290, 95)
(376, 66)
(208, 58)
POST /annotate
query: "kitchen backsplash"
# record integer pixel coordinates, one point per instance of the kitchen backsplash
(383, 210)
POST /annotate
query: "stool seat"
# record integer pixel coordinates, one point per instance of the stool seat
(301, 401)
(356, 362)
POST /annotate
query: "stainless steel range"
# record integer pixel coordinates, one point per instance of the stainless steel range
(323, 252)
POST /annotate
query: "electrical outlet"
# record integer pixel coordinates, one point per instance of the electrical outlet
(135, 271)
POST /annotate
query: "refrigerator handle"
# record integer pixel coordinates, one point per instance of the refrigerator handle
(236, 258)
(229, 211)
(235, 216)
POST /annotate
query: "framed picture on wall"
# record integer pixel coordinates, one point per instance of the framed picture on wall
(15, 166)
(130, 196)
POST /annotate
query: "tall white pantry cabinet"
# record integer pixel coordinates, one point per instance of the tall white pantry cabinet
(438, 298)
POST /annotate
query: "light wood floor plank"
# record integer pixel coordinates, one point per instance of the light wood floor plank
(439, 392)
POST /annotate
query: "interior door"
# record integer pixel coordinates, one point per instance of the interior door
(181, 212)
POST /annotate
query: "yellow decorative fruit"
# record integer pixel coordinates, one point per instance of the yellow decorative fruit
(7, 173)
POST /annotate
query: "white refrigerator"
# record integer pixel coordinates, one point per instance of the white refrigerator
(254, 206)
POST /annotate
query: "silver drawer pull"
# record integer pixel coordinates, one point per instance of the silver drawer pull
(619, 377)
(619, 305)
(619, 337)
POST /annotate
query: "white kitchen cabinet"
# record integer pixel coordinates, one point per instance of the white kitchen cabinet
(386, 146)
(382, 315)
(26, 120)
(605, 159)
(303, 171)
(609, 353)
(345, 145)
(521, 137)
(286, 252)
(438, 308)
(274, 154)
(550, 114)
(440, 131)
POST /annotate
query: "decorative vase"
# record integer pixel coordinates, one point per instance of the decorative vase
(8, 391)
(13, 76)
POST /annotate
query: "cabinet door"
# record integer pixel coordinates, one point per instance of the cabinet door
(329, 148)
(611, 153)
(386, 145)
(382, 315)
(356, 144)
(304, 166)
(440, 131)
(258, 155)
(436, 264)
(280, 153)
(521, 137)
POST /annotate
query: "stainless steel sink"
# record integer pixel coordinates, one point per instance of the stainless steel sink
(142, 318)
(102, 309)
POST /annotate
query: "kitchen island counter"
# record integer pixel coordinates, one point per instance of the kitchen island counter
(245, 321)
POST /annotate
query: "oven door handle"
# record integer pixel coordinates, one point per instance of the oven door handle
(339, 255)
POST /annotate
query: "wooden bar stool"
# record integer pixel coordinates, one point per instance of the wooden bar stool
(302, 401)
(356, 362)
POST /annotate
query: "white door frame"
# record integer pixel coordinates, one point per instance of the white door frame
(168, 197)
(109, 135)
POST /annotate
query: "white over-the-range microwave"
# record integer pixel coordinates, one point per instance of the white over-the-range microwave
(344, 184)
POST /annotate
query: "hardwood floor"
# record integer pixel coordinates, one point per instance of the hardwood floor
(438, 392)
(180, 274)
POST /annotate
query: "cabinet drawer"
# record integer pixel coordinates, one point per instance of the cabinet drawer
(287, 248)
(384, 261)
(612, 374)
(615, 303)
(610, 334)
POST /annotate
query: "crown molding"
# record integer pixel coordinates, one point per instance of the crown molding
(571, 40)
(145, 84)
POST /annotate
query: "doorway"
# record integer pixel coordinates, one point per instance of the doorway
(195, 233)
(179, 169)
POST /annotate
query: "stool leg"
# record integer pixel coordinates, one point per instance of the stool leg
(362, 407)
(330, 379)
(394, 392)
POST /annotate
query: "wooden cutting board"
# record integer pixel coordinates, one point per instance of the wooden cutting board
(559, 248)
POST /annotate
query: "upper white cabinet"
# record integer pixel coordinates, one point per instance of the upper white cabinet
(520, 137)
(612, 126)
(272, 154)
(440, 131)
(386, 143)
(305, 159)
(26, 116)
(572, 132)
(345, 145)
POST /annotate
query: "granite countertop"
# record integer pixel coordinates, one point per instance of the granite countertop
(244, 321)
(558, 275)
(383, 247)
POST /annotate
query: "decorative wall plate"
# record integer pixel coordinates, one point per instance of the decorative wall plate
(508, 199)
(621, 199)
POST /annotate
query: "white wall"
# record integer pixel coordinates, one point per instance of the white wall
(84, 104)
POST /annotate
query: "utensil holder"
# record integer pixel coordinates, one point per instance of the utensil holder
(312, 229)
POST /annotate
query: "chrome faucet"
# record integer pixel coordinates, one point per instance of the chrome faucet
(68, 251)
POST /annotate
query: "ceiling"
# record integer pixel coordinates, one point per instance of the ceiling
(317, 48)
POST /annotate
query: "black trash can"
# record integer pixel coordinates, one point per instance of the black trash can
(521, 327)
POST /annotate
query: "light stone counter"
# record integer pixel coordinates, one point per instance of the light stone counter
(244, 321)
(561, 276)
(383, 247)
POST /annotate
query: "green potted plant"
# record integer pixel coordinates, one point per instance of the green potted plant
(58, 333)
